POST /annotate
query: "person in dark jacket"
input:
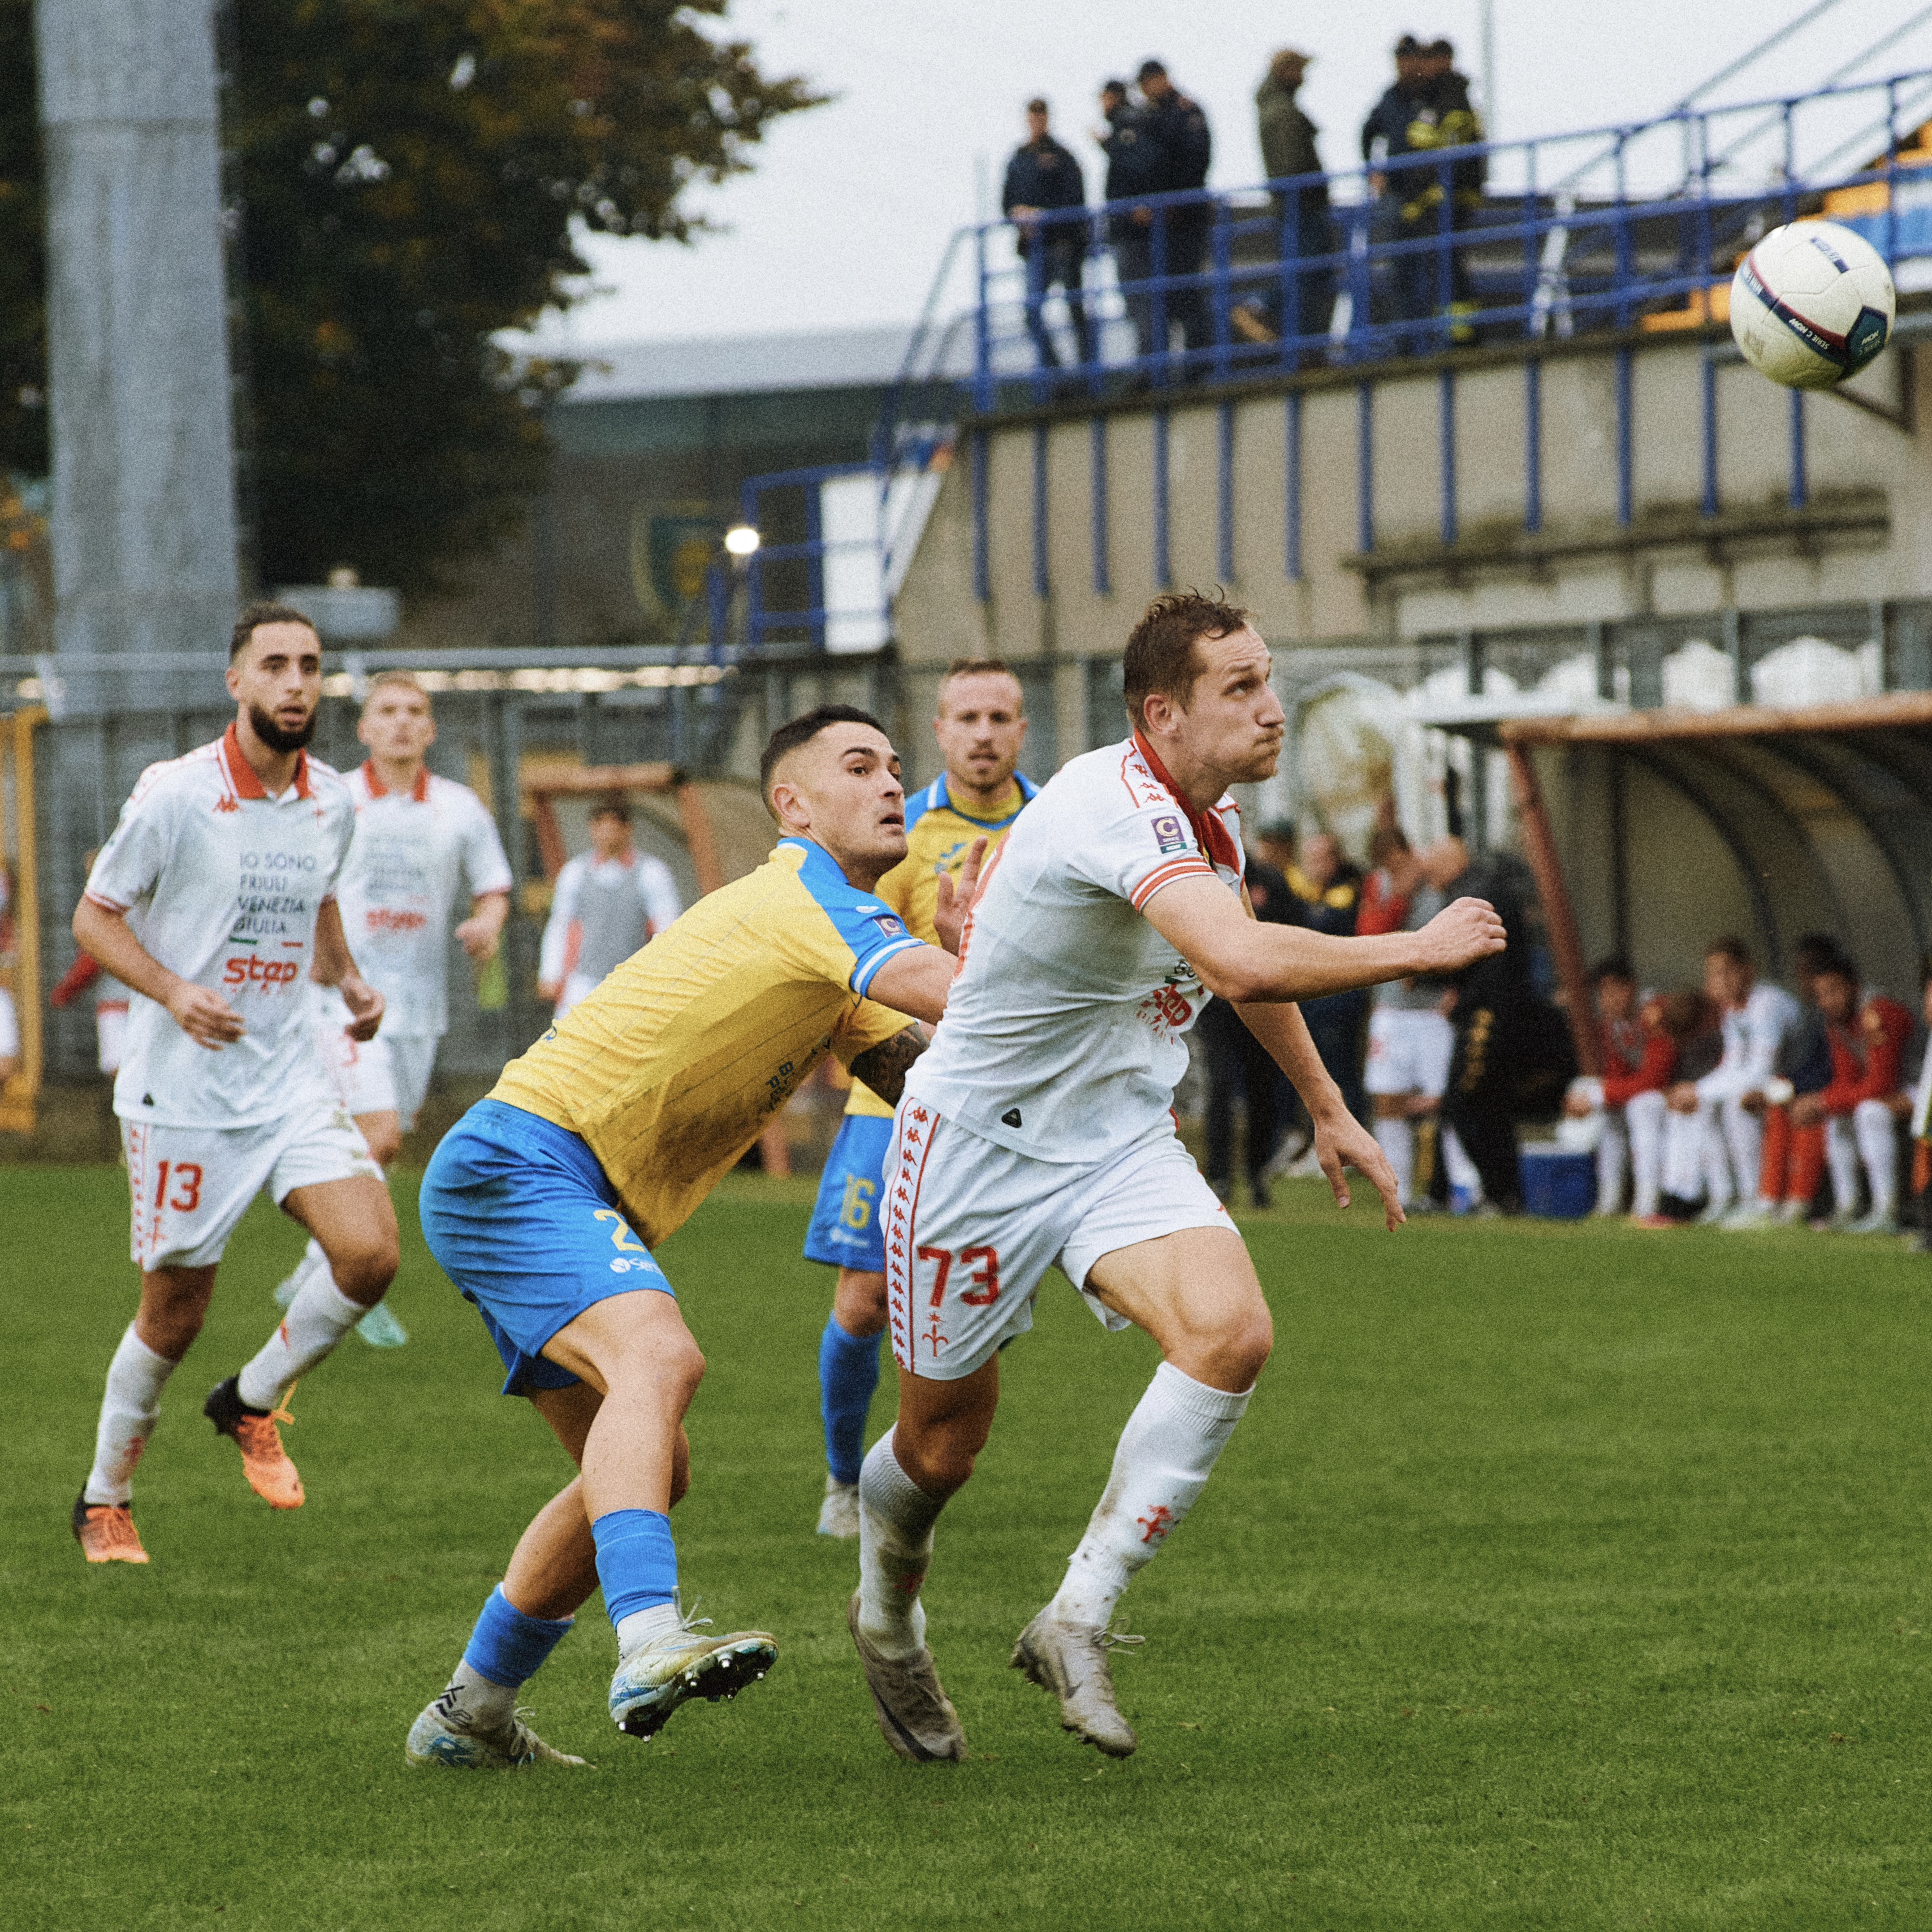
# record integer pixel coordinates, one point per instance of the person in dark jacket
(1132, 164)
(1287, 139)
(1045, 198)
(1176, 129)
(1330, 890)
(1238, 1064)
(1428, 108)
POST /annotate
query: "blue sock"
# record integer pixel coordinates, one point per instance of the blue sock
(848, 1372)
(506, 1646)
(636, 1561)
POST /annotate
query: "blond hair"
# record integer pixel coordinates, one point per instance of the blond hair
(407, 680)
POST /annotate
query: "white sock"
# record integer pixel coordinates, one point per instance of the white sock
(1644, 1118)
(1872, 1125)
(1397, 1139)
(1462, 1171)
(895, 1519)
(129, 1410)
(645, 1626)
(1611, 1150)
(1166, 1452)
(318, 1319)
(299, 1277)
(1841, 1157)
(488, 1706)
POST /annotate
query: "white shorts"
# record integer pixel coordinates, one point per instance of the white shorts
(110, 1033)
(1409, 1052)
(970, 1227)
(191, 1185)
(10, 1027)
(387, 1075)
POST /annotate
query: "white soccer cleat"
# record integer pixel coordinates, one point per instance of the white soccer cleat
(1749, 1215)
(443, 1735)
(1876, 1222)
(839, 1514)
(1070, 1660)
(657, 1676)
(916, 1717)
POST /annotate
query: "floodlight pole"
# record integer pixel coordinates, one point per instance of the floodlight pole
(143, 513)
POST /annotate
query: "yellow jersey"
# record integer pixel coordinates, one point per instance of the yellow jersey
(672, 1068)
(939, 834)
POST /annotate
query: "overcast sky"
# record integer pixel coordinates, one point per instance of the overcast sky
(845, 220)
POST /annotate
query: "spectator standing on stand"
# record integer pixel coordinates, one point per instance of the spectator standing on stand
(1238, 1063)
(1043, 186)
(1287, 139)
(1177, 129)
(1132, 165)
(1426, 108)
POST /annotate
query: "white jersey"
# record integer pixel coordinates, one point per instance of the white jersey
(413, 851)
(1752, 1034)
(223, 884)
(1064, 1033)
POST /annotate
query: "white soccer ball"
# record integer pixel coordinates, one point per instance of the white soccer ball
(1812, 304)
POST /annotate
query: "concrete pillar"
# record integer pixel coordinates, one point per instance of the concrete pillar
(143, 522)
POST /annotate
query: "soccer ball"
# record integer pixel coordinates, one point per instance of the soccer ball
(1811, 304)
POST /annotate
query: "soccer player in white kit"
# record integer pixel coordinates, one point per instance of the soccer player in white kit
(212, 903)
(1037, 1128)
(418, 839)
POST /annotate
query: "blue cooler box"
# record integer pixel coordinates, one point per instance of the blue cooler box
(1557, 1184)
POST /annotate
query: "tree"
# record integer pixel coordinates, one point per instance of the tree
(408, 176)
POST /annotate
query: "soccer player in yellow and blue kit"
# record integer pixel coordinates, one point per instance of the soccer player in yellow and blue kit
(980, 726)
(544, 1202)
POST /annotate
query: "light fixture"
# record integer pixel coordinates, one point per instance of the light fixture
(741, 540)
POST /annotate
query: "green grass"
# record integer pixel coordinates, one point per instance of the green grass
(1556, 1577)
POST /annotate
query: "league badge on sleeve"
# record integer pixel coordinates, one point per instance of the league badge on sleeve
(891, 927)
(1171, 834)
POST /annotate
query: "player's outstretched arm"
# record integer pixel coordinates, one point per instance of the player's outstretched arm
(200, 1012)
(914, 982)
(883, 1068)
(335, 967)
(1242, 960)
(1341, 1141)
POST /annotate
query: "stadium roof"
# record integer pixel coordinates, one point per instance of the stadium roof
(743, 365)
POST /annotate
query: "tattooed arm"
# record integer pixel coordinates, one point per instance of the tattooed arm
(882, 1068)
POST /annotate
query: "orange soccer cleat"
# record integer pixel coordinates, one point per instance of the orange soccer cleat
(264, 1461)
(105, 1532)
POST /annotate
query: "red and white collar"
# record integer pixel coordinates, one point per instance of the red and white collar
(419, 791)
(241, 774)
(1209, 833)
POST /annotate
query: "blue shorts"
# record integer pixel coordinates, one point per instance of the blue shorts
(526, 1224)
(844, 1228)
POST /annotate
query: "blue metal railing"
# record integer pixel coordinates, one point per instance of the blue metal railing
(1423, 252)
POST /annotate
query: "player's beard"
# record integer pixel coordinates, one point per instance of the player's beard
(279, 737)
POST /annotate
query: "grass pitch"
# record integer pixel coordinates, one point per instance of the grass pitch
(1557, 1577)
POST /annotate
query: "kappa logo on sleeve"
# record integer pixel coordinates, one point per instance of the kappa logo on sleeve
(1171, 835)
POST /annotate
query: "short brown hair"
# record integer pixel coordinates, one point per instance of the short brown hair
(1731, 947)
(1160, 655)
(255, 616)
(612, 805)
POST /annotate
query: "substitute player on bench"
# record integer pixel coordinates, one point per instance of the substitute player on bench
(1038, 1129)
(980, 725)
(212, 903)
(544, 1202)
(418, 839)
